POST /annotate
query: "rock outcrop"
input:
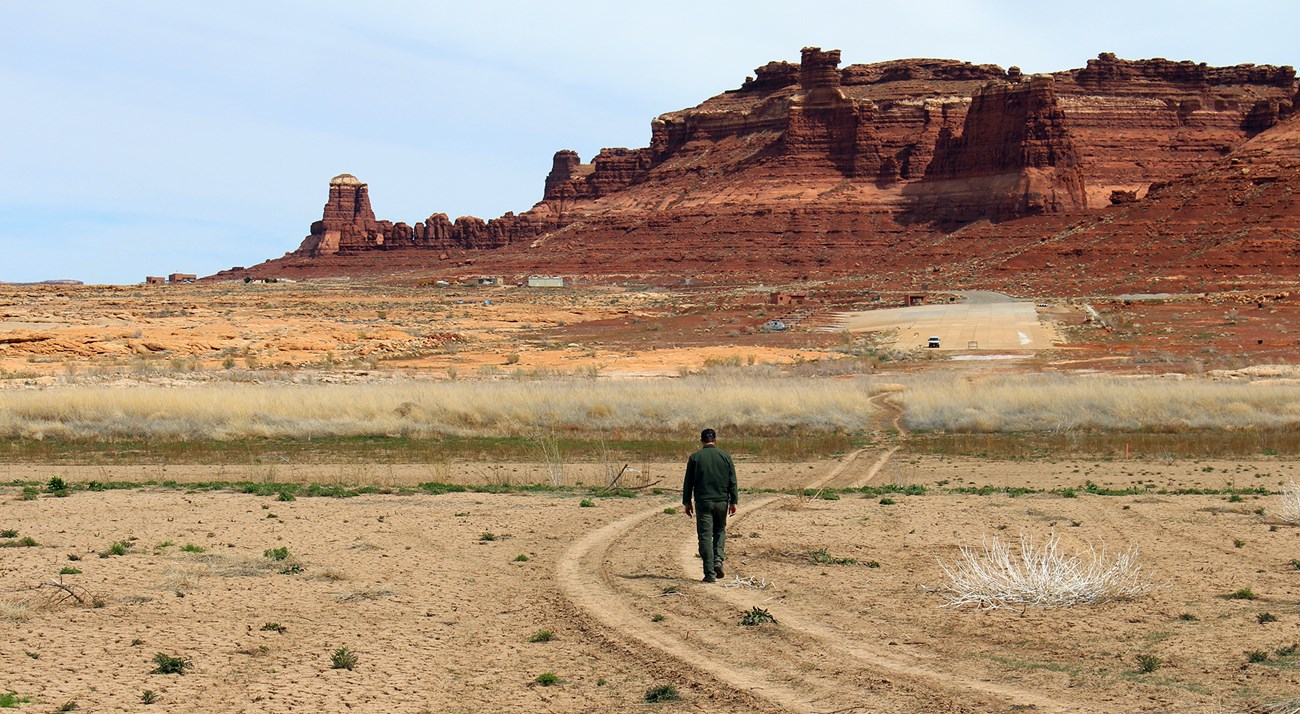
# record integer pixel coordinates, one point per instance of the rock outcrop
(811, 165)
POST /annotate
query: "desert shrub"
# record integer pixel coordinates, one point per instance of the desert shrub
(167, 664)
(1256, 656)
(521, 558)
(1264, 618)
(487, 536)
(281, 553)
(542, 636)
(274, 627)
(662, 693)
(1242, 594)
(148, 697)
(1148, 663)
(118, 548)
(343, 658)
(69, 570)
(56, 486)
(8, 533)
(11, 700)
(757, 616)
(547, 679)
(191, 548)
(1290, 509)
(1040, 575)
(821, 557)
(587, 503)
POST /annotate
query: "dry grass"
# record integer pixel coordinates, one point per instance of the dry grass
(1290, 509)
(424, 409)
(1055, 403)
(16, 610)
(1040, 575)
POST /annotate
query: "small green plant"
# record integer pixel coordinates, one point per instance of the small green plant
(274, 627)
(118, 548)
(57, 486)
(343, 658)
(137, 642)
(69, 570)
(887, 501)
(1256, 656)
(521, 558)
(1264, 618)
(168, 664)
(191, 548)
(662, 693)
(757, 616)
(24, 542)
(872, 564)
(1237, 542)
(11, 700)
(30, 493)
(1235, 498)
(292, 569)
(148, 697)
(281, 553)
(286, 496)
(1148, 663)
(165, 544)
(821, 557)
(587, 503)
(542, 636)
(1295, 564)
(8, 533)
(657, 618)
(488, 536)
(1242, 594)
(670, 511)
(1188, 617)
(547, 679)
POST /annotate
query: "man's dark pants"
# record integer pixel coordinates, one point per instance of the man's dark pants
(711, 528)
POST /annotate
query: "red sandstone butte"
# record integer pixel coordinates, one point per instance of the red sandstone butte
(896, 169)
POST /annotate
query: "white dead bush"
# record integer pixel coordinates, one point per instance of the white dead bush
(1040, 575)
(1290, 511)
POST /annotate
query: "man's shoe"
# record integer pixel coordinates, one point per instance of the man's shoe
(717, 570)
(710, 579)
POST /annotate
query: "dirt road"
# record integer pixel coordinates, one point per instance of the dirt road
(982, 321)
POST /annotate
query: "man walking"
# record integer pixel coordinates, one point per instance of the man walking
(711, 484)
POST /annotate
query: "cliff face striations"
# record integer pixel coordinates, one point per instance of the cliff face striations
(811, 165)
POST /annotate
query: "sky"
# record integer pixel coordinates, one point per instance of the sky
(151, 137)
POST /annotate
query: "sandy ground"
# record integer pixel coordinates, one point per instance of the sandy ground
(440, 617)
(965, 326)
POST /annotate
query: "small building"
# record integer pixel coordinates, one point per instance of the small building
(912, 300)
(787, 298)
(177, 278)
(155, 280)
(545, 281)
(490, 280)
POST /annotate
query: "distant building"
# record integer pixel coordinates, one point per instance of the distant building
(490, 280)
(545, 281)
(914, 300)
(788, 298)
(177, 278)
(155, 280)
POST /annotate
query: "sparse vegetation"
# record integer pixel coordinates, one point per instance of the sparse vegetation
(1148, 663)
(1040, 575)
(587, 503)
(662, 693)
(148, 697)
(1256, 656)
(1264, 618)
(542, 636)
(169, 664)
(343, 658)
(821, 557)
(191, 548)
(1242, 594)
(521, 558)
(757, 616)
(8, 533)
(488, 536)
(69, 570)
(547, 679)
(277, 554)
(11, 700)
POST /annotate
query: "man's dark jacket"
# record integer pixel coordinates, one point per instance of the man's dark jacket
(710, 476)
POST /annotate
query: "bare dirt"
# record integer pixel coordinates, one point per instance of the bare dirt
(440, 613)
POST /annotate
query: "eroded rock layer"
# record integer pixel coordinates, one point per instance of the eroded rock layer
(813, 166)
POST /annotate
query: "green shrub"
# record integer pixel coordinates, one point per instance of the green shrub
(148, 697)
(8, 533)
(281, 553)
(168, 664)
(757, 616)
(587, 503)
(1148, 663)
(11, 700)
(274, 627)
(488, 536)
(542, 636)
(662, 693)
(57, 486)
(821, 557)
(191, 548)
(670, 511)
(69, 570)
(1256, 656)
(547, 679)
(887, 501)
(521, 558)
(343, 658)
(1264, 618)
(1242, 594)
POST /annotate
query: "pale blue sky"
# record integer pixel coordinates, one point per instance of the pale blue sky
(148, 137)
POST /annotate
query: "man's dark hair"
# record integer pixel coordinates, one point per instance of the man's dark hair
(708, 436)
